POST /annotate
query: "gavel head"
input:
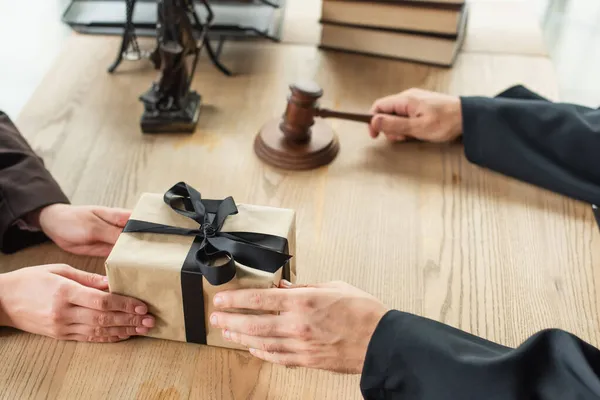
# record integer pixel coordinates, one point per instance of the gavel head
(299, 114)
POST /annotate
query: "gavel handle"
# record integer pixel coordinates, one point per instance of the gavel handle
(325, 113)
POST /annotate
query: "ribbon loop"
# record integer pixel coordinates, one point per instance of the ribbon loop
(208, 230)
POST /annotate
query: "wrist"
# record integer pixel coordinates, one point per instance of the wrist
(371, 323)
(455, 120)
(4, 318)
(46, 215)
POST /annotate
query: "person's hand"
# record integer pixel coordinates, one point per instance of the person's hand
(417, 114)
(65, 303)
(326, 326)
(82, 230)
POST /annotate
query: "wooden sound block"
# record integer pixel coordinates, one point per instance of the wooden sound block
(272, 147)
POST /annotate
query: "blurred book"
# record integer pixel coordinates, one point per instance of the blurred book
(409, 30)
(410, 16)
(421, 1)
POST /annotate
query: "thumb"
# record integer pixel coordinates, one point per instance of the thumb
(285, 284)
(109, 223)
(88, 279)
(106, 233)
(114, 216)
(393, 126)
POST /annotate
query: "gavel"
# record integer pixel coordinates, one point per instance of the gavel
(302, 108)
(297, 140)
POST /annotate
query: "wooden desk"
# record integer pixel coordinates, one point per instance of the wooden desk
(414, 224)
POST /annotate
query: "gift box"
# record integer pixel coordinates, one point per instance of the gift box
(178, 250)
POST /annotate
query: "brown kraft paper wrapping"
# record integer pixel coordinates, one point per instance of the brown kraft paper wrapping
(147, 266)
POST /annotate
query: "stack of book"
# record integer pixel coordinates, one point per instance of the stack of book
(426, 31)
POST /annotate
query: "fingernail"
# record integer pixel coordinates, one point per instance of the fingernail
(226, 334)
(286, 283)
(142, 310)
(124, 337)
(376, 124)
(142, 330)
(218, 300)
(149, 322)
(105, 279)
(253, 351)
(213, 319)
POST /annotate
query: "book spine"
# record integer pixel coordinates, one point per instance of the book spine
(437, 4)
(401, 31)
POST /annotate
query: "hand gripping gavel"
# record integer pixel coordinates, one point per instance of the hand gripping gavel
(298, 140)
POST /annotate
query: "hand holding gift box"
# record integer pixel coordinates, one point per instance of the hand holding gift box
(177, 251)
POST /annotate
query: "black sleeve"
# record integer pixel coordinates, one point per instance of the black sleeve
(25, 186)
(411, 357)
(552, 145)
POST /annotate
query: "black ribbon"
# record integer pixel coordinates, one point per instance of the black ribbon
(259, 251)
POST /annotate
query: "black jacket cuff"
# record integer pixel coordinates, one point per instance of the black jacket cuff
(25, 186)
(545, 144)
(378, 360)
(412, 357)
(39, 193)
(12, 237)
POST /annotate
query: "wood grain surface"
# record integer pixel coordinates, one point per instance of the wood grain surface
(416, 225)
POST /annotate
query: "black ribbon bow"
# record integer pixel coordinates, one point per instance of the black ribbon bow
(254, 250)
